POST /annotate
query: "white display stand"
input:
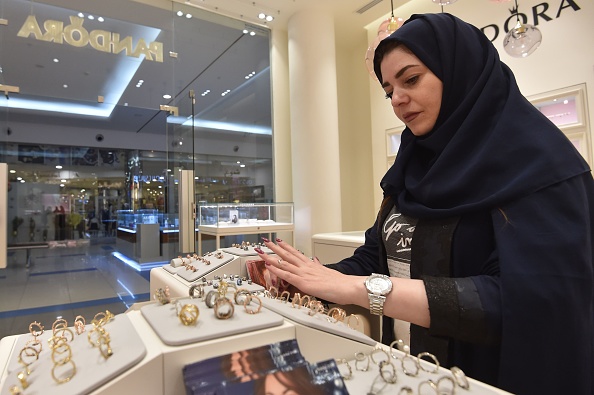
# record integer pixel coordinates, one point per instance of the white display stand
(164, 321)
(92, 370)
(246, 255)
(242, 229)
(333, 247)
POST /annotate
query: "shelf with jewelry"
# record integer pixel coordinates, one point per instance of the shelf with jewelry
(227, 219)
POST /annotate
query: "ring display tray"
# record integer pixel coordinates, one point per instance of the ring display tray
(202, 269)
(164, 321)
(92, 370)
(318, 321)
(249, 252)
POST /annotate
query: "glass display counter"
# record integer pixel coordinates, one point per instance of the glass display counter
(227, 219)
(147, 235)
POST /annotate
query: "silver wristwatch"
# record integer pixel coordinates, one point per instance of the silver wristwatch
(378, 286)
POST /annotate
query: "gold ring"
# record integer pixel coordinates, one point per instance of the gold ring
(102, 318)
(15, 390)
(315, 307)
(95, 334)
(62, 332)
(241, 296)
(59, 351)
(59, 324)
(252, 311)
(79, 324)
(280, 262)
(219, 309)
(435, 361)
(193, 288)
(189, 314)
(348, 321)
(296, 300)
(305, 301)
(284, 296)
(25, 354)
(336, 314)
(35, 344)
(22, 376)
(273, 292)
(66, 378)
(104, 347)
(37, 332)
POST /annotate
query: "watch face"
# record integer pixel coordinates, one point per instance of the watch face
(379, 285)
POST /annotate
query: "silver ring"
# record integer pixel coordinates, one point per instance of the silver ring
(430, 383)
(449, 391)
(280, 261)
(435, 361)
(405, 370)
(460, 377)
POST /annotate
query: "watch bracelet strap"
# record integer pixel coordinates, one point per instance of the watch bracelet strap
(376, 304)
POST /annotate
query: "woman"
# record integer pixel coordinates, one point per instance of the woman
(488, 208)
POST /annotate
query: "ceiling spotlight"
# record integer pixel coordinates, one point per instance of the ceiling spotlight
(245, 31)
(166, 96)
(91, 17)
(189, 16)
(252, 33)
(58, 167)
(180, 13)
(262, 15)
(56, 60)
(269, 18)
(100, 19)
(81, 15)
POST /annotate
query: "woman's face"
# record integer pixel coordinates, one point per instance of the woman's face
(414, 90)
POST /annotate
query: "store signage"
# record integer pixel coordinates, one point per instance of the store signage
(76, 35)
(540, 12)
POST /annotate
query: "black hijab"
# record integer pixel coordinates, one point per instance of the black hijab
(489, 145)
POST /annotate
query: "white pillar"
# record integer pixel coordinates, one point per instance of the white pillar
(314, 126)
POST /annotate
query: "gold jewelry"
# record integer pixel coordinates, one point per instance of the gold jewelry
(348, 321)
(22, 376)
(189, 314)
(14, 390)
(223, 287)
(104, 347)
(296, 300)
(305, 301)
(35, 344)
(388, 377)
(435, 361)
(219, 308)
(61, 349)
(25, 357)
(274, 294)
(336, 314)
(94, 336)
(61, 333)
(59, 324)
(460, 377)
(375, 391)
(102, 318)
(242, 295)
(79, 324)
(162, 295)
(315, 307)
(284, 296)
(252, 311)
(210, 298)
(67, 378)
(350, 374)
(37, 332)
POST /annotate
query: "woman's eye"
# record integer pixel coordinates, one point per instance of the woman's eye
(389, 95)
(412, 80)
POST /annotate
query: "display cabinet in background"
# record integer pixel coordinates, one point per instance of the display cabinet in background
(227, 219)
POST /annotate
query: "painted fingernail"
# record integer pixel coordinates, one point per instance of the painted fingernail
(265, 240)
(266, 263)
(273, 283)
(258, 250)
(278, 240)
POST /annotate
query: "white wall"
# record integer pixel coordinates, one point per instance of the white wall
(564, 58)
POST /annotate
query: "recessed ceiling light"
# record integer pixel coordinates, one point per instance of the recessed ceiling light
(19, 178)
(56, 60)
(100, 19)
(58, 166)
(189, 16)
(262, 15)
(80, 14)
(91, 17)
(166, 96)
(62, 180)
(245, 31)
(252, 33)
(65, 85)
(180, 13)
(241, 165)
(269, 18)
(12, 171)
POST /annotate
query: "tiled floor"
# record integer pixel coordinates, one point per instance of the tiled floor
(66, 281)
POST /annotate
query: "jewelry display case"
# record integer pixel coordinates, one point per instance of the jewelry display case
(227, 219)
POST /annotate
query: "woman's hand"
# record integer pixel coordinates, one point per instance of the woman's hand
(309, 276)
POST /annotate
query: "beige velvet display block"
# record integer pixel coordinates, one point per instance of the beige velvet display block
(246, 255)
(92, 370)
(164, 321)
(318, 321)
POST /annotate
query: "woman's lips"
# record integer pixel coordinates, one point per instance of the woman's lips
(410, 116)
